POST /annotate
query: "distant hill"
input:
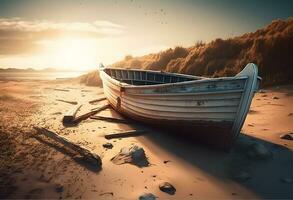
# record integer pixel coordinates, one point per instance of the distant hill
(271, 48)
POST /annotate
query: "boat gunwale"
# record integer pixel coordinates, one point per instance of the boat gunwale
(129, 86)
(181, 93)
(158, 72)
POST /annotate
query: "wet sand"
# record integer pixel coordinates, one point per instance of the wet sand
(40, 168)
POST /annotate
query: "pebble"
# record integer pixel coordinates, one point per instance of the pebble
(275, 97)
(59, 188)
(147, 196)
(167, 187)
(108, 145)
(286, 136)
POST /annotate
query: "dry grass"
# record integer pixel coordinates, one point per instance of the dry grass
(270, 48)
(91, 79)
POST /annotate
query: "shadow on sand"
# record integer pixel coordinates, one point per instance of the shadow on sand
(72, 154)
(266, 174)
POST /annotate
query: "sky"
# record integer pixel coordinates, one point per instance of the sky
(80, 34)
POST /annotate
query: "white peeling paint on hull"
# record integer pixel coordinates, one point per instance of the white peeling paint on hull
(165, 98)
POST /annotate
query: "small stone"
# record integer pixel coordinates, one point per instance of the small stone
(147, 196)
(133, 154)
(137, 153)
(275, 97)
(242, 176)
(286, 137)
(167, 187)
(59, 188)
(108, 145)
(287, 180)
(258, 151)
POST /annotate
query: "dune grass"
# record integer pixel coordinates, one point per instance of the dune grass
(270, 48)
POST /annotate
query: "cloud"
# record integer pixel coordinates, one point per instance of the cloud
(19, 36)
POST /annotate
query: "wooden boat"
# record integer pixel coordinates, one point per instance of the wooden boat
(204, 106)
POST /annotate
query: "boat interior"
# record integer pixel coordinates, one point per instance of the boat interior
(141, 77)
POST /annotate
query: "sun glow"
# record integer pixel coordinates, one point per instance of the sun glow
(74, 53)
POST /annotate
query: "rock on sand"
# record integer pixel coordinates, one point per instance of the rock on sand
(167, 187)
(108, 145)
(147, 196)
(287, 136)
(134, 155)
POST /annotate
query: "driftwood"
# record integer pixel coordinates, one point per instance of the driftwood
(125, 134)
(85, 90)
(69, 117)
(87, 154)
(62, 90)
(65, 101)
(110, 119)
(93, 112)
(97, 100)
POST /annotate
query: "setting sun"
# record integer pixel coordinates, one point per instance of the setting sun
(73, 52)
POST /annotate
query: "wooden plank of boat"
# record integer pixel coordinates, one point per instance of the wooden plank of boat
(111, 119)
(66, 101)
(125, 134)
(97, 100)
(156, 96)
(61, 90)
(70, 115)
(92, 112)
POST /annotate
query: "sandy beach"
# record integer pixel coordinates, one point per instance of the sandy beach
(36, 167)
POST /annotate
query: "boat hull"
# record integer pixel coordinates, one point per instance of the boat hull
(207, 108)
